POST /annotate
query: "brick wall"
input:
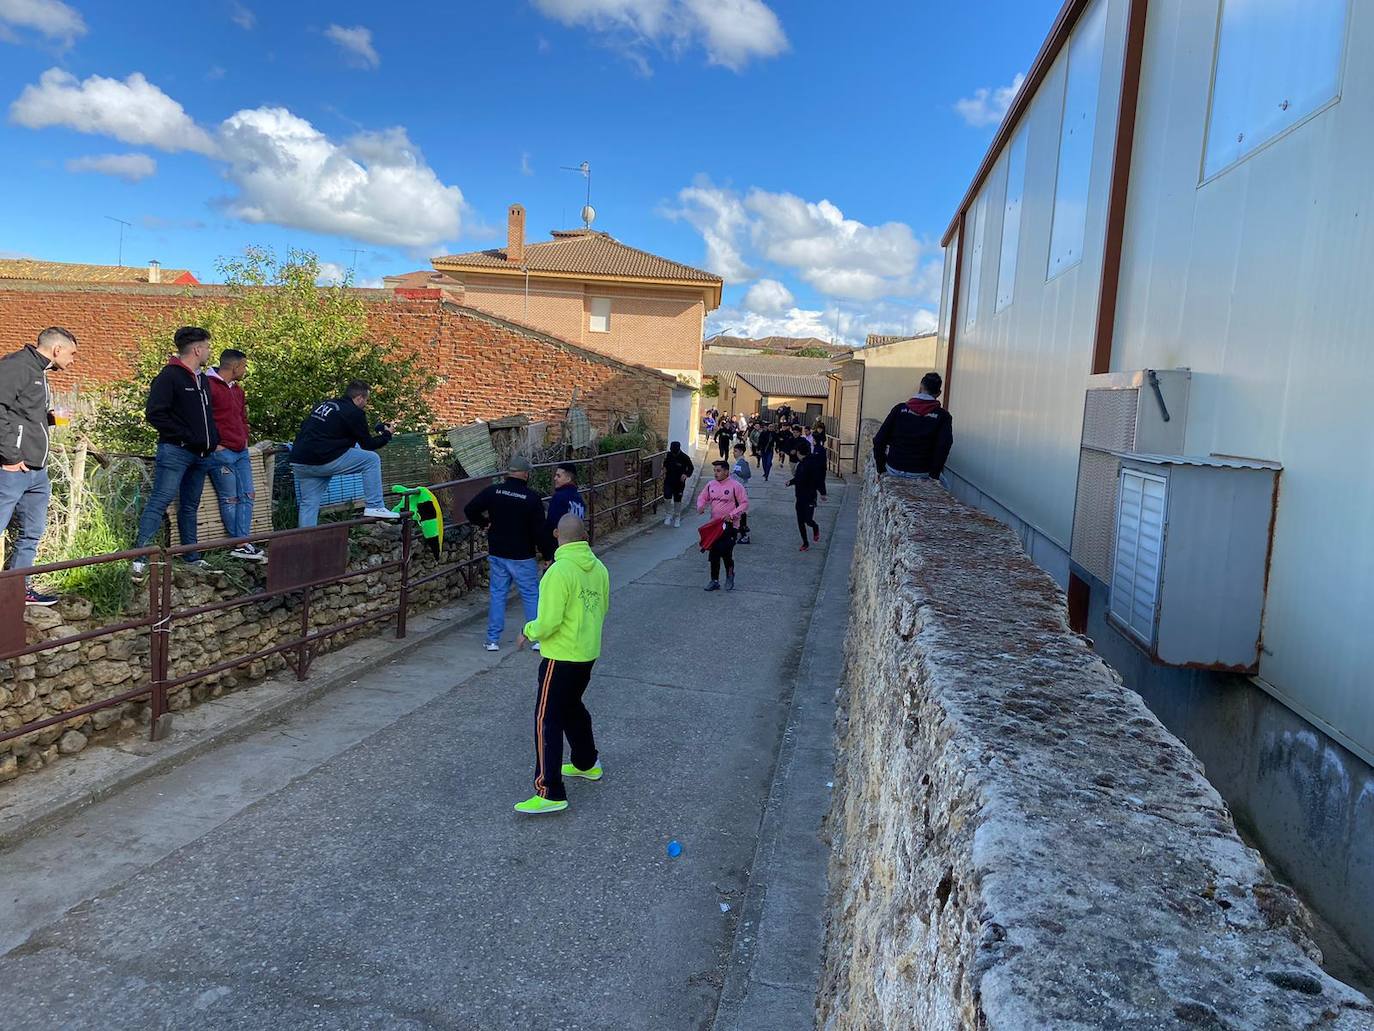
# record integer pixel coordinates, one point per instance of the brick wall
(489, 367)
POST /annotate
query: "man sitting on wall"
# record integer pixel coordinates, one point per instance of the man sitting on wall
(334, 441)
(916, 436)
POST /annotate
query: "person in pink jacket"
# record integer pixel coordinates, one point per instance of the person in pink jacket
(727, 500)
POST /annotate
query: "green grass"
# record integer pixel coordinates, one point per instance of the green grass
(107, 584)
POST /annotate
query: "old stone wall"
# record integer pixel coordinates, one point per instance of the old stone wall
(1017, 842)
(488, 367)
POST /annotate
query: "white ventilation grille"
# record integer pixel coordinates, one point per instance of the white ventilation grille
(1109, 419)
(1139, 552)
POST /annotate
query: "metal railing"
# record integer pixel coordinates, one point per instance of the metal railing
(620, 488)
(841, 456)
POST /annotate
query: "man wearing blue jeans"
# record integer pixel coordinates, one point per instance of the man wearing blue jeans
(25, 415)
(178, 408)
(513, 516)
(334, 440)
(231, 470)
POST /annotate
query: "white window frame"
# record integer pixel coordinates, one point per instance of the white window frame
(1204, 176)
(975, 261)
(1133, 610)
(1092, 23)
(593, 315)
(1012, 208)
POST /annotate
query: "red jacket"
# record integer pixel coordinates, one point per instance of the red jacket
(230, 408)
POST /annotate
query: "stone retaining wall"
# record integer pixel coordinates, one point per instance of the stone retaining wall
(1017, 842)
(35, 687)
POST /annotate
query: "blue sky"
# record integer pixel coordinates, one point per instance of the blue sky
(811, 153)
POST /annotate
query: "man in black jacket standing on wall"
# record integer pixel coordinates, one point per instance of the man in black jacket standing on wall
(513, 516)
(178, 408)
(334, 440)
(25, 415)
(916, 436)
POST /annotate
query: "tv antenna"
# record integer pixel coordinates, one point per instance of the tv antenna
(122, 226)
(355, 251)
(588, 212)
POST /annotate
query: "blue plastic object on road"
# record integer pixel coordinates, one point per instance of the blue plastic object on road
(674, 849)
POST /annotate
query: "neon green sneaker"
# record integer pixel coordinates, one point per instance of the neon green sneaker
(569, 770)
(537, 806)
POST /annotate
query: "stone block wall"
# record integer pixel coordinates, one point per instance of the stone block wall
(1017, 842)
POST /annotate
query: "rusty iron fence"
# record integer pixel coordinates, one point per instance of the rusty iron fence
(618, 489)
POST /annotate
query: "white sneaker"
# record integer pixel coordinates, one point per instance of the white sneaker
(380, 513)
(492, 646)
(138, 568)
(677, 521)
(667, 520)
(534, 646)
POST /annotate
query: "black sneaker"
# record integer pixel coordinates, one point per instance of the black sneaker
(32, 597)
(744, 539)
(714, 585)
(729, 581)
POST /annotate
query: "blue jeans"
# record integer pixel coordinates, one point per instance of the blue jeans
(767, 461)
(525, 573)
(902, 474)
(231, 474)
(178, 475)
(314, 481)
(26, 495)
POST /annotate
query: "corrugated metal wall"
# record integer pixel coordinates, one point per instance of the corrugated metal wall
(1018, 376)
(1260, 281)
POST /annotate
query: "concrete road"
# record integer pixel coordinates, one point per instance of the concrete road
(359, 866)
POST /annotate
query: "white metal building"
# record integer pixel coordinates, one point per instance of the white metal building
(1189, 185)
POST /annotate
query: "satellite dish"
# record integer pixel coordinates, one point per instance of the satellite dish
(588, 215)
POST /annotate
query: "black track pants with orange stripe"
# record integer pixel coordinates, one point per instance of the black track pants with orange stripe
(559, 712)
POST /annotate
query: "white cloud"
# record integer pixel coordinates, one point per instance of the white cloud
(838, 256)
(375, 186)
(331, 274)
(732, 32)
(842, 324)
(52, 18)
(356, 42)
(242, 17)
(719, 216)
(129, 167)
(133, 111)
(988, 106)
(769, 297)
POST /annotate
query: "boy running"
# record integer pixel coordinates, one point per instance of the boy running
(728, 500)
(809, 480)
(677, 468)
(741, 471)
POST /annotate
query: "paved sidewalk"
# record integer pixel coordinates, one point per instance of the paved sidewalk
(359, 866)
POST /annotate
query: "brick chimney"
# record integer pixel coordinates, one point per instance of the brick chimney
(515, 234)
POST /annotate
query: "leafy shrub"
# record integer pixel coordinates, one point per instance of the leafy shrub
(304, 343)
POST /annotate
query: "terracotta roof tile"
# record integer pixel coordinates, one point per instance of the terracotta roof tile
(71, 272)
(583, 251)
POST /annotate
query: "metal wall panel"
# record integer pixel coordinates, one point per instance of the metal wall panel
(1018, 377)
(1258, 281)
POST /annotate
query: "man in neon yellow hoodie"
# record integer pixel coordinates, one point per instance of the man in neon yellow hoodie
(573, 598)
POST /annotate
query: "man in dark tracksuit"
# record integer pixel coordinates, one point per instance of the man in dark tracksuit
(25, 415)
(808, 478)
(916, 436)
(513, 516)
(677, 470)
(179, 409)
(724, 435)
(766, 438)
(565, 498)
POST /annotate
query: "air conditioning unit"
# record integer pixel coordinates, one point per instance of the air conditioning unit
(1190, 557)
(1142, 411)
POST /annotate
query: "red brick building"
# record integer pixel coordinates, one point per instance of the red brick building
(489, 366)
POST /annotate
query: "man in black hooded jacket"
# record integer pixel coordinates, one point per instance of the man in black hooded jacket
(916, 436)
(178, 408)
